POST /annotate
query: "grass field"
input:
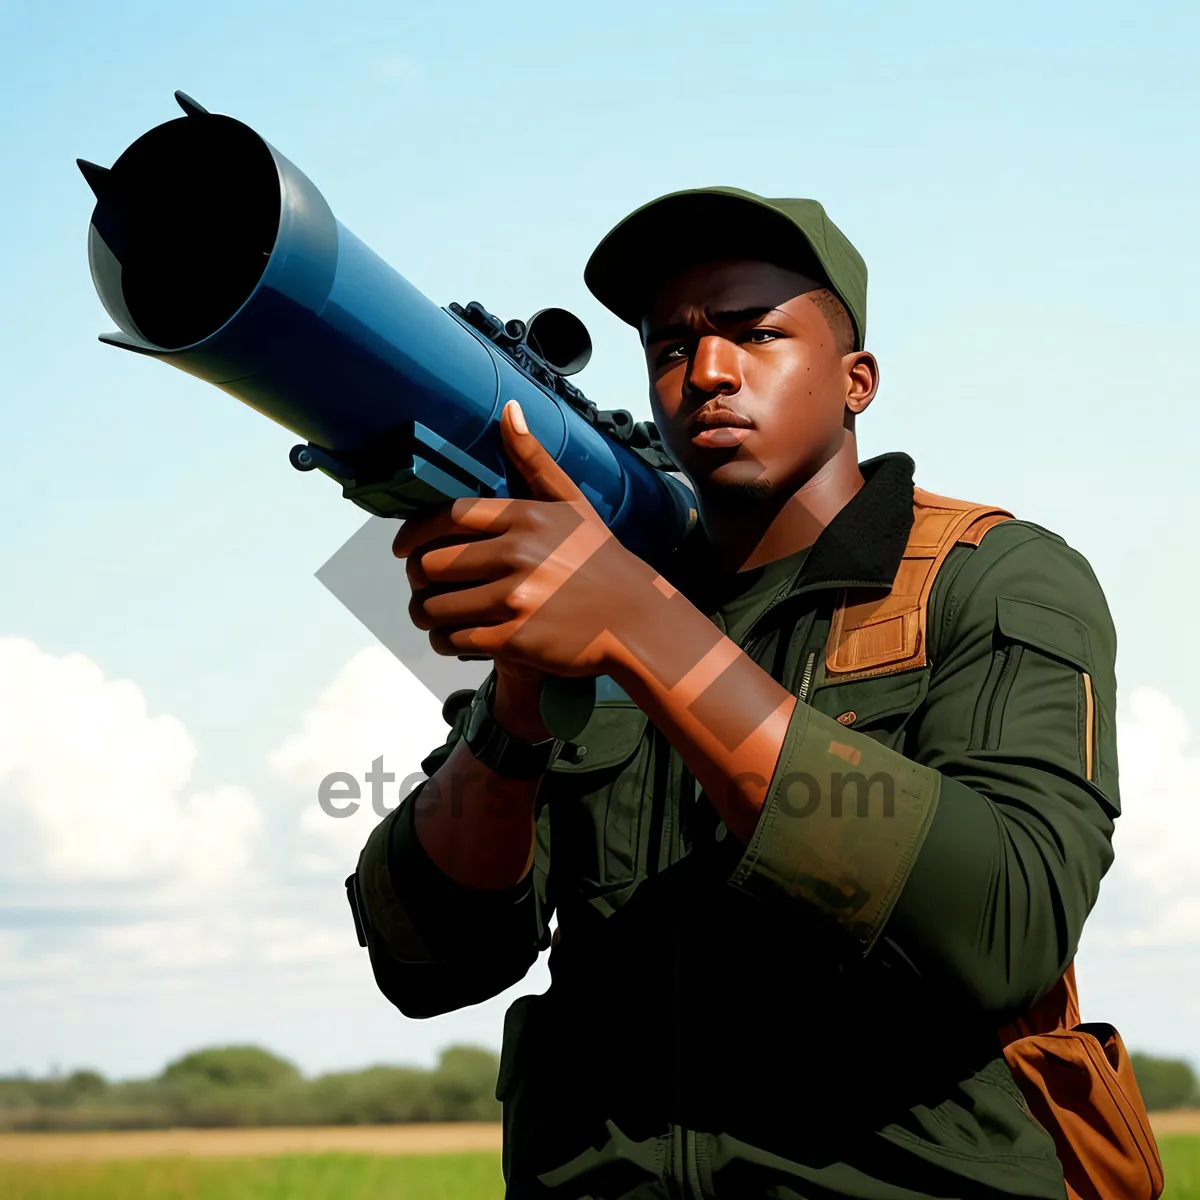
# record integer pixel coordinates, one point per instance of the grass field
(464, 1176)
(224, 1165)
(1181, 1165)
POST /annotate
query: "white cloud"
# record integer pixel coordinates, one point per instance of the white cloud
(212, 938)
(173, 943)
(1151, 896)
(374, 708)
(23, 963)
(181, 895)
(227, 936)
(93, 787)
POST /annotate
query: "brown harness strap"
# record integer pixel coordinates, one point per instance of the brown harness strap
(882, 635)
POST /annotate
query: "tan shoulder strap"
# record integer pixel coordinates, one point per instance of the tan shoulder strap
(886, 634)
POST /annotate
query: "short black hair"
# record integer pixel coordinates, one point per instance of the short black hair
(838, 319)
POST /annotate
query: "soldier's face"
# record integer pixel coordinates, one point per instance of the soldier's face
(748, 385)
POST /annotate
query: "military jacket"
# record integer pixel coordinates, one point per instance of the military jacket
(814, 1014)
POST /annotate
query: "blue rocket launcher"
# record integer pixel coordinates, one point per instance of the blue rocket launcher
(214, 253)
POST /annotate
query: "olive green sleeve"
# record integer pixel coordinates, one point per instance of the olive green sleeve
(1019, 723)
(434, 944)
(843, 821)
(979, 852)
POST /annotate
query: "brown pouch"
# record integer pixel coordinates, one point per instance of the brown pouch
(1079, 1085)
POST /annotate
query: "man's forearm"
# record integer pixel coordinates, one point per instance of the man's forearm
(724, 714)
(721, 711)
(475, 826)
(748, 741)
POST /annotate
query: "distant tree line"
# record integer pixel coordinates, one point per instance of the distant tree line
(1165, 1082)
(245, 1085)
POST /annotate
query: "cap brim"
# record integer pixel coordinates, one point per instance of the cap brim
(684, 228)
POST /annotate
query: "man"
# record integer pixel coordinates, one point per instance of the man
(843, 805)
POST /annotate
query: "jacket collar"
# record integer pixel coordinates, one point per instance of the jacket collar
(860, 548)
(863, 545)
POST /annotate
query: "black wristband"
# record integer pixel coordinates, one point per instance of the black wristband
(499, 750)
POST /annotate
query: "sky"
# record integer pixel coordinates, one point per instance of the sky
(175, 681)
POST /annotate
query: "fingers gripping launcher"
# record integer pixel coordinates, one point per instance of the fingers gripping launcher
(214, 253)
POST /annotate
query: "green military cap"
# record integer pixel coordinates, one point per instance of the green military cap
(706, 224)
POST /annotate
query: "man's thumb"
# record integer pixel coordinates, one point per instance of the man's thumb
(546, 479)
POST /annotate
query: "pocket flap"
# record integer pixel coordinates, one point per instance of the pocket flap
(611, 735)
(1047, 629)
(873, 700)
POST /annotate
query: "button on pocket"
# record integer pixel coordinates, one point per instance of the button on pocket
(610, 737)
(879, 707)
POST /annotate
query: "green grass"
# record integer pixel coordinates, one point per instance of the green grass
(467, 1176)
(1180, 1154)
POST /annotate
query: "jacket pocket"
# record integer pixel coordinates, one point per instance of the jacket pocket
(1039, 698)
(517, 1082)
(598, 790)
(516, 1047)
(880, 706)
(989, 709)
(609, 738)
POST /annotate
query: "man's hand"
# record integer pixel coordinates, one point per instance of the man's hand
(542, 586)
(537, 585)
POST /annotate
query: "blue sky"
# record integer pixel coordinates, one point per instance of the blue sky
(1021, 180)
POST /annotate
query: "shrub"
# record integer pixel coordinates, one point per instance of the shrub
(465, 1084)
(231, 1066)
(246, 1085)
(1164, 1082)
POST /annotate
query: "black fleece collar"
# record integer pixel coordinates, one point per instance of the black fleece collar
(860, 548)
(863, 545)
